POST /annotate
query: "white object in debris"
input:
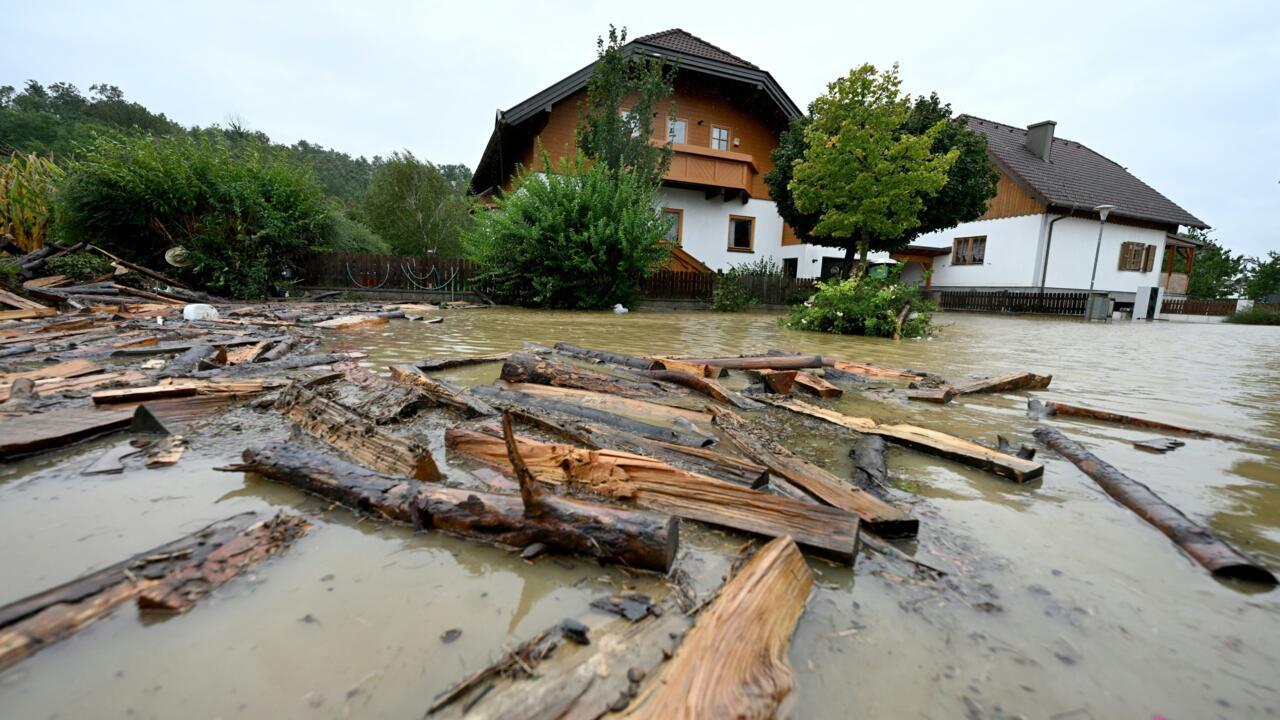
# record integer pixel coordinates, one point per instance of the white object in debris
(619, 309)
(199, 311)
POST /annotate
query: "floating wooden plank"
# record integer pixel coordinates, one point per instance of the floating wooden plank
(654, 484)
(940, 395)
(733, 664)
(1058, 408)
(169, 578)
(638, 539)
(815, 385)
(705, 385)
(925, 440)
(604, 356)
(356, 435)
(459, 361)
(877, 516)
(1206, 548)
(17, 301)
(45, 431)
(440, 392)
(526, 367)
(28, 313)
(1005, 383)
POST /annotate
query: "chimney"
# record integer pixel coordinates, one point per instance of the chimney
(1040, 139)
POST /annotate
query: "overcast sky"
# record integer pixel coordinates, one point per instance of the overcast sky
(1186, 94)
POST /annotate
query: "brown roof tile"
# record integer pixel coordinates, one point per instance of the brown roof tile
(680, 41)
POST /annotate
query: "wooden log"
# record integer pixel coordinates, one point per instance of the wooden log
(604, 356)
(290, 363)
(376, 398)
(638, 539)
(762, 362)
(940, 395)
(879, 372)
(1206, 548)
(697, 369)
(700, 460)
(1005, 383)
(170, 578)
(778, 382)
(815, 385)
(733, 664)
(925, 440)
(642, 409)
(189, 361)
(460, 361)
(870, 466)
(27, 313)
(526, 367)
(277, 351)
(347, 322)
(440, 392)
(357, 436)
(19, 349)
(654, 484)
(877, 516)
(704, 385)
(1058, 408)
(510, 400)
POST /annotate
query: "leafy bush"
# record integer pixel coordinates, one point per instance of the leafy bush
(26, 198)
(350, 235)
(579, 238)
(731, 293)
(244, 214)
(866, 306)
(412, 205)
(1264, 277)
(79, 266)
(1257, 315)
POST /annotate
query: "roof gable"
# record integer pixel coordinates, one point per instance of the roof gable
(1075, 176)
(683, 42)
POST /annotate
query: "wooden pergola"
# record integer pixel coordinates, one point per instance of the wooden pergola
(922, 256)
(1178, 246)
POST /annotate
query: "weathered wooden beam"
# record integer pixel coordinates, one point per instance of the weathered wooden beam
(67, 369)
(925, 440)
(23, 435)
(440, 392)
(1206, 548)
(815, 385)
(705, 385)
(940, 395)
(877, 516)
(761, 362)
(878, 372)
(693, 368)
(778, 382)
(1005, 383)
(526, 367)
(289, 363)
(733, 663)
(657, 485)
(376, 398)
(635, 538)
(604, 356)
(170, 578)
(27, 313)
(1059, 408)
(651, 412)
(706, 461)
(459, 361)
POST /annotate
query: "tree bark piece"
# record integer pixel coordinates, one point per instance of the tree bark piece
(356, 435)
(1004, 383)
(778, 382)
(459, 361)
(925, 440)
(1058, 408)
(704, 385)
(1206, 548)
(654, 484)
(376, 398)
(525, 367)
(815, 385)
(440, 392)
(877, 516)
(638, 539)
(277, 351)
(733, 662)
(604, 356)
(172, 578)
(762, 362)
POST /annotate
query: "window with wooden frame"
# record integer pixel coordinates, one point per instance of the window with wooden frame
(675, 220)
(1136, 257)
(677, 131)
(969, 250)
(719, 138)
(742, 233)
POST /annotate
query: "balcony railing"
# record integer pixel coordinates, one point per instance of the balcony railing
(704, 167)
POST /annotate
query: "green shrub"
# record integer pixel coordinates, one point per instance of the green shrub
(350, 235)
(866, 306)
(79, 265)
(578, 238)
(732, 294)
(27, 184)
(245, 213)
(1257, 315)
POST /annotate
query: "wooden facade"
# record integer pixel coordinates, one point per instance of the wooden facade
(1011, 201)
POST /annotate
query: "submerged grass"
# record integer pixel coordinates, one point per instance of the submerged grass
(1257, 315)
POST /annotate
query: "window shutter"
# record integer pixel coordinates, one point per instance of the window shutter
(1149, 259)
(1123, 264)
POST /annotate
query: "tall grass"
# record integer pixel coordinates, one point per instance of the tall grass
(27, 183)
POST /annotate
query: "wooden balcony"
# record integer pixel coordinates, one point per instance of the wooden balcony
(713, 170)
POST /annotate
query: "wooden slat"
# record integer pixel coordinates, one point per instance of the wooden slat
(27, 313)
(24, 435)
(17, 301)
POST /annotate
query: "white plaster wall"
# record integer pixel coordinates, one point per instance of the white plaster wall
(1010, 255)
(705, 230)
(1071, 256)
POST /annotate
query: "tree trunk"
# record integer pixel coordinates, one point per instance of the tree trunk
(440, 392)
(650, 412)
(530, 368)
(459, 361)
(1058, 408)
(635, 363)
(706, 386)
(1220, 558)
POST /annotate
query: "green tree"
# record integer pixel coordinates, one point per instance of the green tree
(415, 208)
(1216, 272)
(617, 137)
(1264, 277)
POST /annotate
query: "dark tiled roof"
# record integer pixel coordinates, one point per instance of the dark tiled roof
(1077, 176)
(680, 41)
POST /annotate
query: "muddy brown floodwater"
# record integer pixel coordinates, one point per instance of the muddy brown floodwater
(1063, 604)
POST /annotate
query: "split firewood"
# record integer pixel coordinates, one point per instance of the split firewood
(876, 515)
(654, 484)
(638, 539)
(1058, 408)
(1004, 383)
(733, 662)
(526, 367)
(169, 578)
(778, 382)
(604, 356)
(441, 392)
(356, 435)
(705, 385)
(925, 440)
(1206, 548)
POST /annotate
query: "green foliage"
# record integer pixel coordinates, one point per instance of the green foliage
(350, 235)
(577, 238)
(790, 150)
(27, 183)
(1216, 272)
(863, 306)
(244, 214)
(621, 139)
(415, 208)
(1257, 315)
(10, 273)
(341, 175)
(1264, 277)
(57, 119)
(79, 266)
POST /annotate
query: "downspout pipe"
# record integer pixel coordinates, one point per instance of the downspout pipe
(1048, 247)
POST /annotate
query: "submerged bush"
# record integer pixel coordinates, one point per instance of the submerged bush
(866, 306)
(244, 213)
(79, 265)
(578, 238)
(1257, 315)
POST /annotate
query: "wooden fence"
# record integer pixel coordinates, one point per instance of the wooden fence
(1014, 301)
(766, 289)
(388, 272)
(1199, 307)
